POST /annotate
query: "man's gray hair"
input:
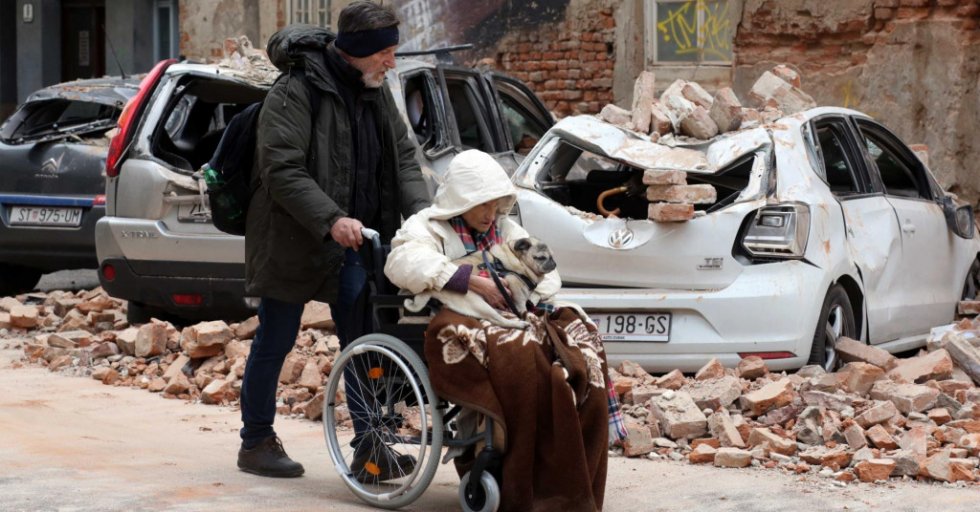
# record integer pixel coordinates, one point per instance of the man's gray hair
(366, 15)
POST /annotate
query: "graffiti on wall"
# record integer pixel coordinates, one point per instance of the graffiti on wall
(696, 30)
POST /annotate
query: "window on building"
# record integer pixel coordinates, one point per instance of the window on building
(681, 32)
(313, 12)
(165, 37)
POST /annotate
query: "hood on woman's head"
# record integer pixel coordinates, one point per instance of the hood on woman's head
(473, 178)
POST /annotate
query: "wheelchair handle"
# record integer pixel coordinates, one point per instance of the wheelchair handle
(377, 256)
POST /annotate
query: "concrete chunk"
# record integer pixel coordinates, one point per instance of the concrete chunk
(713, 369)
(206, 339)
(693, 194)
(874, 469)
(788, 74)
(151, 340)
(698, 124)
(673, 380)
(933, 366)
(678, 415)
(643, 96)
(850, 350)
(670, 212)
(722, 427)
(855, 436)
(770, 396)
(859, 377)
(702, 454)
(907, 398)
(774, 92)
(966, 355)
(638, 441)
(716, 393)
(660, 122)
(618, 116)
(752, 367)
(880, 438)
(941, 467)
(732, 458)
(772, 442)
(726, 110)
(664, 177)
(879, 413)
(24, 317)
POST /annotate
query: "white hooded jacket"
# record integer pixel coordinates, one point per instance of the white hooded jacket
(423, 250)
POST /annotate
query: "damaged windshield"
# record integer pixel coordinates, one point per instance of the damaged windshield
(55, 118)
(597, 184)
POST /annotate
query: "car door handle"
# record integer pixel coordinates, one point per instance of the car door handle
(908, 227)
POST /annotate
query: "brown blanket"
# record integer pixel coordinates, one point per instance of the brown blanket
(546, 387)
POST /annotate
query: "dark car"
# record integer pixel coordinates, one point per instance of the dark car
(52, 179)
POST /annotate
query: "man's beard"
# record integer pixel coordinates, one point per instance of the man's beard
(372, 83)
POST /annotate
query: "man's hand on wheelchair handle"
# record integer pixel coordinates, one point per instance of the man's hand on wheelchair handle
(347, 232)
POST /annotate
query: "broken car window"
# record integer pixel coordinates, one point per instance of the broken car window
(897, 177)
(473, 131)
(59, 116)
(838, 171)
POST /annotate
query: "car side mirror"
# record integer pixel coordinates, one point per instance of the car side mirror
(959, 218)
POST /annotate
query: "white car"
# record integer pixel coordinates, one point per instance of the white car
(825, 225)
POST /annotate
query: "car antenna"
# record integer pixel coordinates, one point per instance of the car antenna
(113, 50)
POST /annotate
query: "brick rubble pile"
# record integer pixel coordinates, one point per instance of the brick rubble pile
(686, 112)
(86, 334)
(875, 418)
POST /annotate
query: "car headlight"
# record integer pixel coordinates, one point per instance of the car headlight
(779, 231)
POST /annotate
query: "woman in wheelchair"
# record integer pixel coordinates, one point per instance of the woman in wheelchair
(544, 386)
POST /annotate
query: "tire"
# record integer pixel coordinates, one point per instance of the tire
(16, 279)
(486, 499)
(137, 313)
(398, 384)
(836, 320)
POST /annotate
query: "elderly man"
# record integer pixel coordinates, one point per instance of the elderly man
(333, 156)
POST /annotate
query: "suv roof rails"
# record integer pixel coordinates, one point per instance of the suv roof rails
(443, 55)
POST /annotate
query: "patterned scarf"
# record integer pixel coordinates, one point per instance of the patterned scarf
(473, 241)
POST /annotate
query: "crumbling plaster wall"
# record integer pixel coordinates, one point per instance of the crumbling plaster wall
(205, 24)
(912, 64)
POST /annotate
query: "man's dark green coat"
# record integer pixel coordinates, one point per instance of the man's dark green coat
(289, 254)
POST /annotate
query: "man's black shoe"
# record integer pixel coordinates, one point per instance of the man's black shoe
(268, 458)
(377, 462)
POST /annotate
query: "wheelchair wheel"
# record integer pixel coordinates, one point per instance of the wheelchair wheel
(400, 417)
(486, 497)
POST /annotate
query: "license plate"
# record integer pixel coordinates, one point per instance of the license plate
(193, 213)
(633, 326)
(45, 216)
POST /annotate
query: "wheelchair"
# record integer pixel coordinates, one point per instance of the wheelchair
(403, 416)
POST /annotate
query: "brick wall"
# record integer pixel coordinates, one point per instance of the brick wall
(912, 64)
(568, 64)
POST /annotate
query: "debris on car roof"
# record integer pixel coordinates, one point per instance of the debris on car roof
(247, 63)
(108, 90)
(685, 114)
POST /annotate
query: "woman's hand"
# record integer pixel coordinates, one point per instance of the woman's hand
(486, 288)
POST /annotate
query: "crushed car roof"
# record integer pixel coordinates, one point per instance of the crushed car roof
(106, 90)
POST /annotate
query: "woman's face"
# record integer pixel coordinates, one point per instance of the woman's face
(481, 216)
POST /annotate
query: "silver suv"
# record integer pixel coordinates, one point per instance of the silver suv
(156, 245)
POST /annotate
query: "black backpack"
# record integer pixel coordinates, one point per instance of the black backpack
(229, 178)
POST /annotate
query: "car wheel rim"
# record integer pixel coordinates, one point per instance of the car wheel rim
(834, 330)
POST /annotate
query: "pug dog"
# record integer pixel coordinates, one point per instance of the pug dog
(524, 263)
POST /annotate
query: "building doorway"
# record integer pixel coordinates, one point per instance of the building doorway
(82, 39)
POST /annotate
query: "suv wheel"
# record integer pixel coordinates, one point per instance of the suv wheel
(836, 320)
(137, 313)
(16, 279)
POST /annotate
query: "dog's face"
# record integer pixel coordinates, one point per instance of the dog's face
(535, 254)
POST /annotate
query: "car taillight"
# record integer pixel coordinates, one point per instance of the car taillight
(188, 299)
(98, 200)
(767, 355)
(130, 115)
(109, 272)
(779, 231)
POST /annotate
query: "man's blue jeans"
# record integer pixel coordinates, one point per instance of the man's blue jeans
(279, 324)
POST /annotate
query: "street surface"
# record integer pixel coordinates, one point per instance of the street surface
(74, 444)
